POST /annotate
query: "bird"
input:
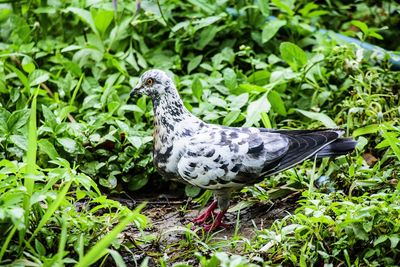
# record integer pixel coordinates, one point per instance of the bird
(221, 158)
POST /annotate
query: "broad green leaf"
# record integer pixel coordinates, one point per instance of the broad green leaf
(109, 88)
(285, 5)
(84, 15)
(27, 65)
(40, 248)
(255, 109)
(263, 5)
(37, 77)
(192, 191)
(317, 13)
(109, 182)
(259, 78)
(21, 76)
(132, 61)
(4, 116)
(197, 88)
(231, 117)
(251, 88)
(102, 19)
(359, 232)
(277, 103)
(323, 118)
(293, 55)
(369, 129)
(230, 79)
(180, 25)
(129, 107)
(394, 240)
(20, 141)
(69, 144)
(194, 63)
(307, 8)
(380, 239)
(361, 143)
(112, 106)
(393, 142)
(375, 35)
(119, 261)
(137, 182)
(361, 25)
(65, 111)
(216, 101)
(237, 102)
(205, 22)
(17, 120)
(206, 36)
(270, 29)
(5, 12)
(136, 141)
(203, 5)
(48, 148)
(49, 117)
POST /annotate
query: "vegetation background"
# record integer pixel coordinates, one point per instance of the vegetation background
(70, 142)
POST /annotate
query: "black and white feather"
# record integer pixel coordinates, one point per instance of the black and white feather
(225, 158)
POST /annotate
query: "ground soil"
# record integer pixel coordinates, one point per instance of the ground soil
(169, 214)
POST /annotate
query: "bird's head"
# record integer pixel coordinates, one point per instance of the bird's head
(153, 83)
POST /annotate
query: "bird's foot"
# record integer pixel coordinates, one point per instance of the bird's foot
(217, 223)
(206, 214)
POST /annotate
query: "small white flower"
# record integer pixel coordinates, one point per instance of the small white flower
(351, 64)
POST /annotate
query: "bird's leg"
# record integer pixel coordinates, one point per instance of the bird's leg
(202, 218)
(217, 222)
(222, 196)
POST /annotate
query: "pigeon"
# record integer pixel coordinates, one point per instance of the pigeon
(221, 158)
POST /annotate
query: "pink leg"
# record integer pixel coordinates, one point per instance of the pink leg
(206, 214)
(217, 223)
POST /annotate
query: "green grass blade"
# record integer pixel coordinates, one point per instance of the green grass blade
(71, 102)
(29, 182)
(7, 241)
(21, 76)
(32, 148)
(100, 249)
(63, 240)
(393, 139)
(52, 208)
(265, 120)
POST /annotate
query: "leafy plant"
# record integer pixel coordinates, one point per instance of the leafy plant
(69, 136)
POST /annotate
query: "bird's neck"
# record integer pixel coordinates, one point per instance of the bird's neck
(171, 118)
(169, 110)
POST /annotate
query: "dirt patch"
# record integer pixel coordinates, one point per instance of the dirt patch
(169, 224)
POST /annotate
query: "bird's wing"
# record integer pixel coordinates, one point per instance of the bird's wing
(303, 144)
(222, 157)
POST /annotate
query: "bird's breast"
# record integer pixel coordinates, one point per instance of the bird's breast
(167, 151)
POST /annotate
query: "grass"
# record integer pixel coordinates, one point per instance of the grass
(70, 140)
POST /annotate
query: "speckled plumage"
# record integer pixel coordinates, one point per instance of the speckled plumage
(224, 158)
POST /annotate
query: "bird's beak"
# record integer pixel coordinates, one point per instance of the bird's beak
(137, 90)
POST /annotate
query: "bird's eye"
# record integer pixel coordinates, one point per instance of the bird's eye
(149, 82)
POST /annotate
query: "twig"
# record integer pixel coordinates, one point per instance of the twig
(48, 90)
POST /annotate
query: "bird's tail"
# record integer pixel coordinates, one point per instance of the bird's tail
(341, 146)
